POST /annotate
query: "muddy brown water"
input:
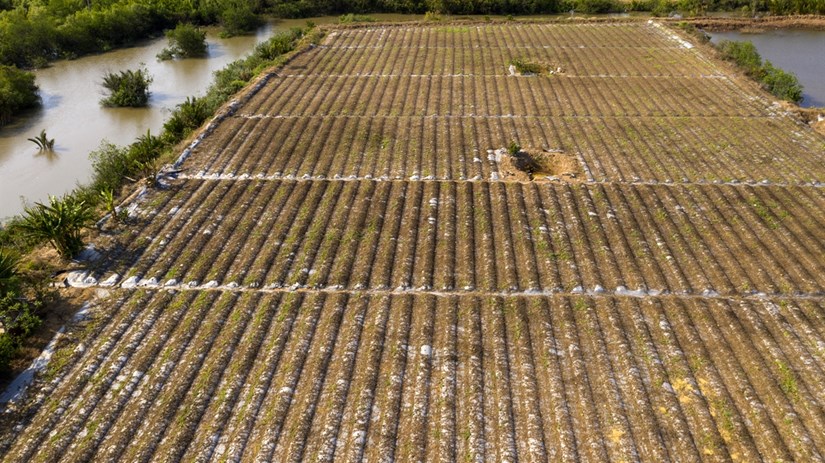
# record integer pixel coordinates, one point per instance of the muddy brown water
(72, 115)
(796, 50)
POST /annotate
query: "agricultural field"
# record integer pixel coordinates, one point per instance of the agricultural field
(346, 267)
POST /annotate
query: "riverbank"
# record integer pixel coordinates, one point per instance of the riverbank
(754, 25)
(119, 172)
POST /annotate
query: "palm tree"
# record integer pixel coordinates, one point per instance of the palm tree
(8, 269)
(43, 142)
(59, 223)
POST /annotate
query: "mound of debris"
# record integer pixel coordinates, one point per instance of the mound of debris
(525, 164)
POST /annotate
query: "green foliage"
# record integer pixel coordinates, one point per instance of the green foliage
(43, 142)
(19, 320)
(796, 6)
(8, 269)
(147, 147)
(185, 41)
(127, 88)
(110, 164)
(58, 223)
(524, 66)
(513, 148)
(104, 28)
(26, 41)
(17, 92)
(188, 116)
(744, 54)
(592, 6)
(276, 46)
(781, 84)
(355, 18)
(239, 18)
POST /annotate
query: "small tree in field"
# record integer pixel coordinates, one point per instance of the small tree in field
(127, 88)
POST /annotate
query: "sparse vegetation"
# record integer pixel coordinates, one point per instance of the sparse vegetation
(513, 148)
(526, 67)
(43, 142)
(127, 88)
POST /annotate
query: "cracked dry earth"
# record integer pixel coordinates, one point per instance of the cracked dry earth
(340, 272)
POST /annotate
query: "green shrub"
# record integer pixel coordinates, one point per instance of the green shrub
(782, 84)
(513, 148)
(524, 66)
(110, 164)
(188, 116)
(127, 88)
(58, 223)
(19, 320)
(278, 44)
(239, 18)
(185, 41)
(17, 92)
(355, 18)
(147, 147)
(593, 6)
(744, 54)
(8, 270)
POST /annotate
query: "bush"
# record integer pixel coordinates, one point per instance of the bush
(239, 18)
(17, 92)
(592, 6)
(110, 165)
(59, 223)
(127, 88)
(782, 84)
(8, 270)
(19, 320)
(513, 148)
(278, 44)
(524, 66)
(185, 41)
(355, 18)
(744, 54)
(188, 116)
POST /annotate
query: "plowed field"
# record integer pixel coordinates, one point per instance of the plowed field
(342, 270)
